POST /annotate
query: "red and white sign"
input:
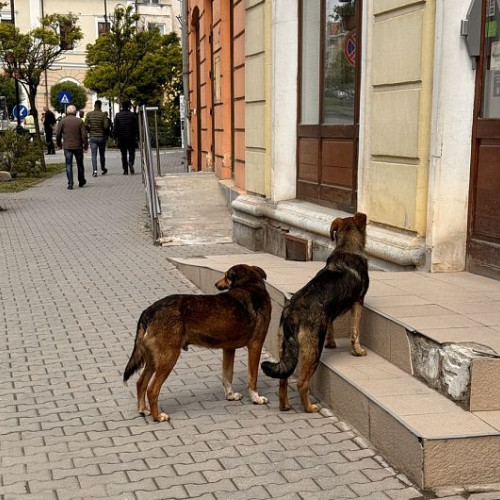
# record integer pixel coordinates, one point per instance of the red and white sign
(349, 47)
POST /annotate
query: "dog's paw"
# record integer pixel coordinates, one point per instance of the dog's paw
(162, 417)
(312, 408)
(259, 400)
(144, 411)
(358, 351)
(234, 396)
(330, 344)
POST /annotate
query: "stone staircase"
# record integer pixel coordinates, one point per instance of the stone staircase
(427, 395)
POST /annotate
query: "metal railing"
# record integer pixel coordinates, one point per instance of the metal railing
(147, 164)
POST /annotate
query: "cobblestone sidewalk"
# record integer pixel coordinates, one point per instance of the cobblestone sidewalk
(77, 268)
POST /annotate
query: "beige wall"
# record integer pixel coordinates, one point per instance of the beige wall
(257, 97)
(398, 113)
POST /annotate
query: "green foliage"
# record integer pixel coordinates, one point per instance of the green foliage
(78, 95)
(130, 64)
(8, 90)
(28, 55)
(343, 9)
(169, 128)
(18, 154)
(144, 67)
(115, 55)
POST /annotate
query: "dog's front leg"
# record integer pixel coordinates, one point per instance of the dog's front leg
(356, 348)
(330, 336)
(254, 352)
(227, 375)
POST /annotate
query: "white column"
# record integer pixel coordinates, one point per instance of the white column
(284, 99)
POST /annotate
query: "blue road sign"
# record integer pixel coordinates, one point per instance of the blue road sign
(64, 97)
(22, 111)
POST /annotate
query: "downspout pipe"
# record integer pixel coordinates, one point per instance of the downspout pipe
(185, 82)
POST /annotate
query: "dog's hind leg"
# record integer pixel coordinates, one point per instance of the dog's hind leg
(309, 353)
(142, 385)
(254, 351)
(356, 311)
(164, 365)
(330, 336)
(227, 375)
(284, 403)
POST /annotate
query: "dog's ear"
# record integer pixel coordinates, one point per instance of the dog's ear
(360, 220)
(260, 272)
(335, 226)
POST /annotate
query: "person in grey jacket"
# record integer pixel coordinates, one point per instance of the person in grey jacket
(72, 137)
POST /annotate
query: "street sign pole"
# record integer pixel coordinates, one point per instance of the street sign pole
(16, 81)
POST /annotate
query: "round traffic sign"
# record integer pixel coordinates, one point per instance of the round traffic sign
(349, 47)
(22, 111)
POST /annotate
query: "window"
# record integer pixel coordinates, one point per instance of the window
(331, 94)
(102, 28)
(160, 27)
(65, 30)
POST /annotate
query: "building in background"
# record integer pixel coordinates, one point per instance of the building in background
(92, 15)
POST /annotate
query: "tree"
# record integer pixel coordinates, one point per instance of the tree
(158, 72)
(28, 55)
(115, 56)
(78, 95)
(8, 90)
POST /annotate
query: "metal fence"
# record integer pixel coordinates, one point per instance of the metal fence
(147, 164)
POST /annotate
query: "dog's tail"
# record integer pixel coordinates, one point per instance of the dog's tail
(289, 356)
(136, 361)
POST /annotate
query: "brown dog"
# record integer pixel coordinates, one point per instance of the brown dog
(308, 318)
(238, 318)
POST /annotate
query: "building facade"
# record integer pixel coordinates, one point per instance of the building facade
(92, 17)
(388, 107)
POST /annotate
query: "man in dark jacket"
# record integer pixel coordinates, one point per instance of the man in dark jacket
(49, 124)
(72, 136)
(126, 133)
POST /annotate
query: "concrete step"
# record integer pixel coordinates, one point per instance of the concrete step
(427, 402)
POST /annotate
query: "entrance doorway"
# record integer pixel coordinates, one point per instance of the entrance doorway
(483, 246)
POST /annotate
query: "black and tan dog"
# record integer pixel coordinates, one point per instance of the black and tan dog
(237, 318)
(308, 318)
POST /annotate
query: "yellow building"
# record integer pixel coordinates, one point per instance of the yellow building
(92, 15)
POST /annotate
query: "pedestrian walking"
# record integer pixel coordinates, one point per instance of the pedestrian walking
(72, 137)
(49, 124)
(97, 126)
(126, 134)
(29, 125)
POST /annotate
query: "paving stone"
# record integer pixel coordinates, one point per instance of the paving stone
(79, 268)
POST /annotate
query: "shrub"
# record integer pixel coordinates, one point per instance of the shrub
(18, 154)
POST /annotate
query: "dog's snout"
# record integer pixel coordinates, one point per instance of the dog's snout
(222, 284)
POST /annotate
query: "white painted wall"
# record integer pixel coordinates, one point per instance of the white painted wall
(284, 99)
(452, 114)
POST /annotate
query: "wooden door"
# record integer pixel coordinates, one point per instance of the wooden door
(483, 249)
(329, 61)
